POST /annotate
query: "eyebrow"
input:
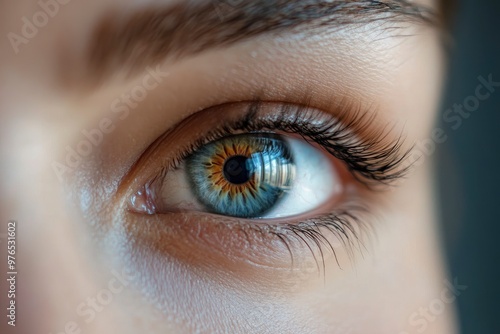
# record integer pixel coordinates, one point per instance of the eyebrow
(149, 36)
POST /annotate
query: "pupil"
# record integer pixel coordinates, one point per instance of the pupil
(236, 171)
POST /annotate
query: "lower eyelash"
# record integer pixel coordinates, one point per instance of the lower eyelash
(348, 226)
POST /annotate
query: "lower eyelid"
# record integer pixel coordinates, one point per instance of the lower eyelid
(207, 241)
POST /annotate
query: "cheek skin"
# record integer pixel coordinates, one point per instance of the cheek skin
(201, 303)
(54, 270)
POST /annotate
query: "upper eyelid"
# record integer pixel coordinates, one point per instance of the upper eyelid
(373, 159)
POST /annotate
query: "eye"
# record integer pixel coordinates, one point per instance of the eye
(283, 178)
(256, 175)
(291, 173)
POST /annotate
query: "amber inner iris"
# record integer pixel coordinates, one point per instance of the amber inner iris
(243, 175)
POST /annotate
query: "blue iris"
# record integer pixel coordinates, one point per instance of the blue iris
(241, 176)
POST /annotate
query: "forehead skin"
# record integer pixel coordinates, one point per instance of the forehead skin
(47, 99)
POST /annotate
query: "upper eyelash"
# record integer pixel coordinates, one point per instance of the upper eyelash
(371, 161)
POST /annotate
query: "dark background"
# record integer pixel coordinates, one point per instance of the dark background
(469, 168)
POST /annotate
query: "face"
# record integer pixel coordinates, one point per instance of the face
(222, 166)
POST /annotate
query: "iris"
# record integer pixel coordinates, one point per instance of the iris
(242, 176)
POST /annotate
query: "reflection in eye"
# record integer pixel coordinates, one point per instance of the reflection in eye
(260, 176)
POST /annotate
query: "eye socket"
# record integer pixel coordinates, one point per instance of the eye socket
(253, 175)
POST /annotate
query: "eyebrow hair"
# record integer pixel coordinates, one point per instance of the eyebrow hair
(152, 35)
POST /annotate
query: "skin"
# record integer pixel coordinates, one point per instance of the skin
(75, 232)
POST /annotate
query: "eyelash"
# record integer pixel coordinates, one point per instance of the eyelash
(372, 162)
(341, 224)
